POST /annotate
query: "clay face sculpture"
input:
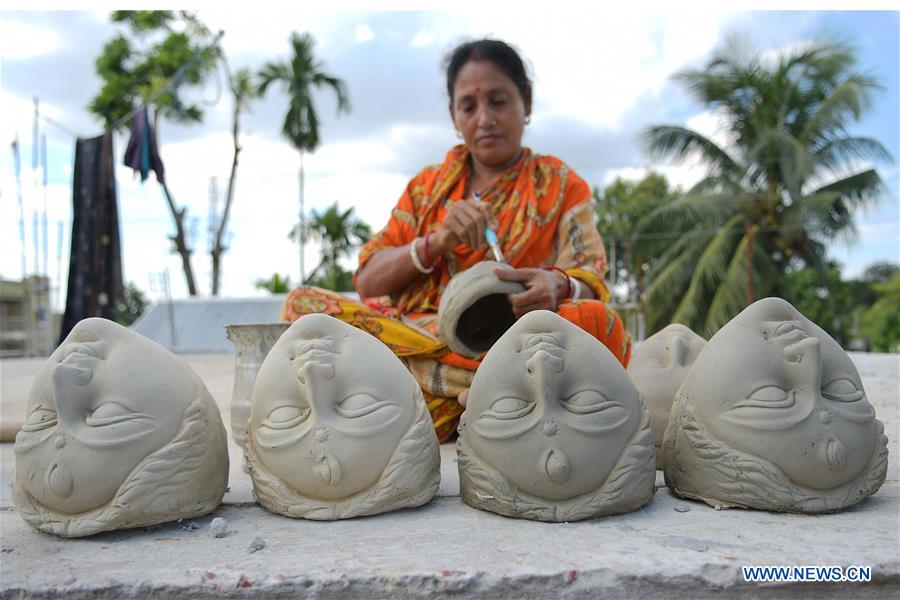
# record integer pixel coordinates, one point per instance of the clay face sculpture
(554, 429)
(658, 367)
(338, 427)
(474, 310)
(773, 415)
(119, 433)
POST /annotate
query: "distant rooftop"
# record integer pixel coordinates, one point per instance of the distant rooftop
(197, 325)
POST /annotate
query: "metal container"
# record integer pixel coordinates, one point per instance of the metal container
(252, 342)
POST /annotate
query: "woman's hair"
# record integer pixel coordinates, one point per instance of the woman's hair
(500, 53)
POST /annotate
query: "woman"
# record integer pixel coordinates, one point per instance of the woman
(543, 214)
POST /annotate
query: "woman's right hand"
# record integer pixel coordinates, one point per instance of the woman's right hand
(463, 224)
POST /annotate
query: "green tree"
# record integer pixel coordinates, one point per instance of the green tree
(132, 306)
(782, 187)
(823, 297)
(339, 233)
(620, 206)
(880, 323)
(138, 66)
(276, 284)
(243, 92)
(301, 75)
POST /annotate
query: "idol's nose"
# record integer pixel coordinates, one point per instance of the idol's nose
(678, 348)
(543, 370)
(805, 371)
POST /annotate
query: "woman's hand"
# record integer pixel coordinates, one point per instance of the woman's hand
(463, 224)
(544, 289)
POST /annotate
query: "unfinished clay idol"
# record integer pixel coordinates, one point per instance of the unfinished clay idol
(773, 415)
(658, 366)
(475, 310)
(119, 433)
(554, 429)
(338, 427)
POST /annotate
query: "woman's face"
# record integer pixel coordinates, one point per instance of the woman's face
(774, 385)
(489, 111)
(330, 405)
(550, 408)
(106, 399)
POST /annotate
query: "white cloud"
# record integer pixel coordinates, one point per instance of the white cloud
(422, 39)
(20, 41)
(363, 33)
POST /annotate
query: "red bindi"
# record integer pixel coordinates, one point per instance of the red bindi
(477, 90)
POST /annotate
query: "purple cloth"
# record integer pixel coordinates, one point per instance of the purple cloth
(141, 154)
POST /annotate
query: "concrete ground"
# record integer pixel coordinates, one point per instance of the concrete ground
(669, 548)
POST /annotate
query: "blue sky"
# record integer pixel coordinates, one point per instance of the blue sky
(598, 80)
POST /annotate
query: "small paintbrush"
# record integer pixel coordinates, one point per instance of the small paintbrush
(491, 237)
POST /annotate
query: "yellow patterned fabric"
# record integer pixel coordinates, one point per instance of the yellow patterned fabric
(545, 212)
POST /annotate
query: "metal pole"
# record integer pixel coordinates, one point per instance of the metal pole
(17, 165)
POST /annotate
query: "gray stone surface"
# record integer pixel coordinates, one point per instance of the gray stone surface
(449, 549)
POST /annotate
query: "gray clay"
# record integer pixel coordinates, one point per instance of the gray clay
(339, 428)
(119, 433)
(658, 366)
(554, 429)
(475, 311)
(773, 415)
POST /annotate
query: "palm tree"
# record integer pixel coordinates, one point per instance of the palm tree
(339, 232)
(301, 123)
(243, 92)
(787, 182)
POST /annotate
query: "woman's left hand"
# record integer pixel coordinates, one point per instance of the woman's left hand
(544, 289)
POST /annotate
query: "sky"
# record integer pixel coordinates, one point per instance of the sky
(599, 78)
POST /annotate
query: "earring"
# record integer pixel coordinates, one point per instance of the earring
(459, 134)
(527, 119)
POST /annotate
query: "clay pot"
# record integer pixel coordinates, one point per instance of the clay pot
(475, 311)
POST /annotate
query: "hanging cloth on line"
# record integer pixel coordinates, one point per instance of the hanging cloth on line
(95, 261)
(142, 154)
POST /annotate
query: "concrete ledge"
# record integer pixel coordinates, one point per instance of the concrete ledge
(670, 548)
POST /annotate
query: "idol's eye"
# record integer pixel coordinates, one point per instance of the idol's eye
(109, 413)
(768, 396)
(842, 390)
(359, 405)
(586, 402)
(509, 408)
(39, 419)
(285, 417)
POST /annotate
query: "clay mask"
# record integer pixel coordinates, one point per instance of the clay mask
(658, 367)
(554, 429)
(773, 415)
(339, 427)
(119, 433)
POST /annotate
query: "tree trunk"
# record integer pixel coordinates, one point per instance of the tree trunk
(302, 224)
(218, 247)
(181, 241)
(179, 238)
(749, 236)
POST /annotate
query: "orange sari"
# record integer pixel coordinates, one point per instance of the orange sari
(546, 217)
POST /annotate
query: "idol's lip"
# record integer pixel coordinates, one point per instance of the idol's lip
(319, 350)
(317, 356)
(78, 350)
(790, 330)
(543, 341)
